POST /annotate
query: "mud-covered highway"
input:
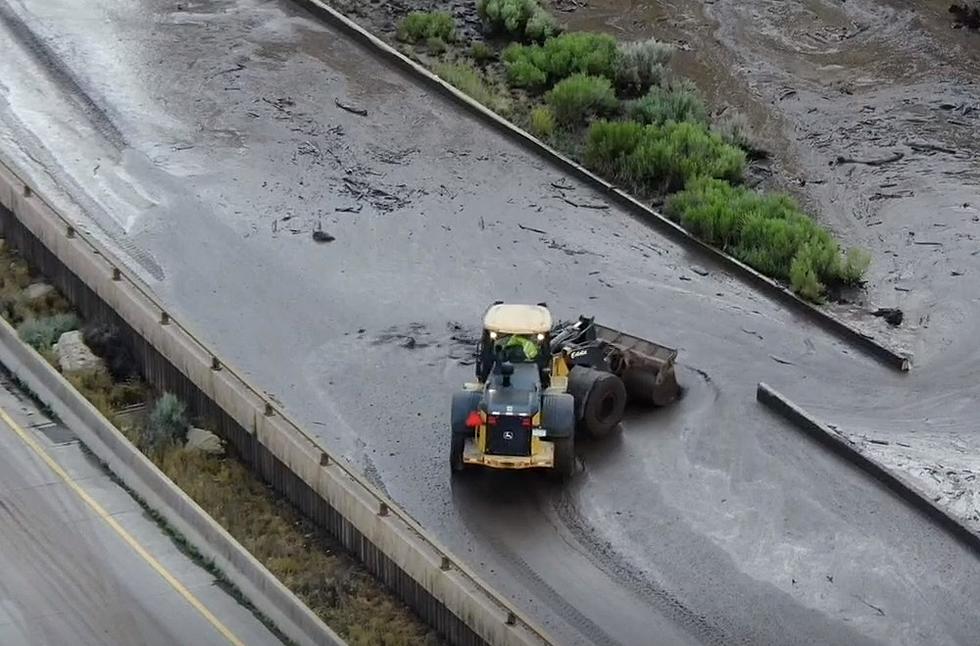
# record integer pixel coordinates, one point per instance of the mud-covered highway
(204, 144)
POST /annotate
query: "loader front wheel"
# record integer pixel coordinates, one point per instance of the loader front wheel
(601, 397)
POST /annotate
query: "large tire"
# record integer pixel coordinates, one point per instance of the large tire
(456, 446)
(464, 403)
(600, 398)
(564, 467)
(558, 414)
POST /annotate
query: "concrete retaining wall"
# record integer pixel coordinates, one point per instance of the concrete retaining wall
(822, 433)
(443, 590)
(264, 590)
(867, 344)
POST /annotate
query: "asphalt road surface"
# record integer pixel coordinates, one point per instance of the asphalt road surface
(83, 564)
(205, 146)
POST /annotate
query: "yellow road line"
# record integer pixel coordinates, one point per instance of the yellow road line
(116, 527)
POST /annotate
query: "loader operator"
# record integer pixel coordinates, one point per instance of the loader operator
(518, 348)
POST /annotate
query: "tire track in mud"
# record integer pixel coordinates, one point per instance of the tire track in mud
(62, 76)
(616, 566)
(544, 593)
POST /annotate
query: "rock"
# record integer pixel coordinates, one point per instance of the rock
(204, 441)
(699, 270)
(323, 236)
(74, 356)
(892, 315)
(37, 291)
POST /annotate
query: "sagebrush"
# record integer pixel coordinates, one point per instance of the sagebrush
(520, 19)
(541, 66)
(642, 64)
(42, 333)
(419, 26)
(660, 159)
(469, 79)
(769, 233)
(579, 97)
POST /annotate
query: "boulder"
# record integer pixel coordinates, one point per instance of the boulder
(37, 291)
(204, 441)
(74, 356)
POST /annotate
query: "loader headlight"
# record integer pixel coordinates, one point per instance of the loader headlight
(493, 335)
(540, 337)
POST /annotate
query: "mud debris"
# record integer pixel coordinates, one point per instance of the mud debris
(894, 157)
(892, 315)
(322, 236)
(349, 108)
(965, 15)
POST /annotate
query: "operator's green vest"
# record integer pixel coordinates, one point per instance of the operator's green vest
(529, 347)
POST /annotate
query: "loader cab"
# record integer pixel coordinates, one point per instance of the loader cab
(514, 338)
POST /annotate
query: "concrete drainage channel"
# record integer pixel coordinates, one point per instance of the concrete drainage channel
(863, 342)
(819, 431)
(442, 590)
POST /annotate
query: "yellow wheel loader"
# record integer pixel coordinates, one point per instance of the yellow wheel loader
(538, 383)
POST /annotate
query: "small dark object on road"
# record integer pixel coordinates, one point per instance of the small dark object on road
(323, 236)
(359, 111)
(892, 315)
(966, 15)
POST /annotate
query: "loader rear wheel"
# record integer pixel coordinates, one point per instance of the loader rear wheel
(564, 466)
(456, 447)
(601, 397)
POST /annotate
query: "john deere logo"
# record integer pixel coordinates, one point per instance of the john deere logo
(508, 435)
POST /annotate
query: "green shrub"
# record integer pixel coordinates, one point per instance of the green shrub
(541, 26)
(167, 424)
(521, 19)
(523, 73)
(608, 143)
(660, 105)
(42, 333)
(422, 25)
(578, 97)
(641, 64)
(856, 263)
(482, 53)
(436, 45)
(660, 158)
(733, 128)
(542, 121)
(468, 79)
(560, 57)
(768, 232)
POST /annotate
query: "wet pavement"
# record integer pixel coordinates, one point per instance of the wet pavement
(206, 146)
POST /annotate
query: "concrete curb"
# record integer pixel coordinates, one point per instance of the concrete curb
(867, 344)
(365, 520)
(259, 586)
(819, 431)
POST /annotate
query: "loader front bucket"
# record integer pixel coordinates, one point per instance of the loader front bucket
(648, 367)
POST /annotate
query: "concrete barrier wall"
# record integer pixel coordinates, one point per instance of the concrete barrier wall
(442, 589)
(816, 429)
(259, 586)
(867, 344)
